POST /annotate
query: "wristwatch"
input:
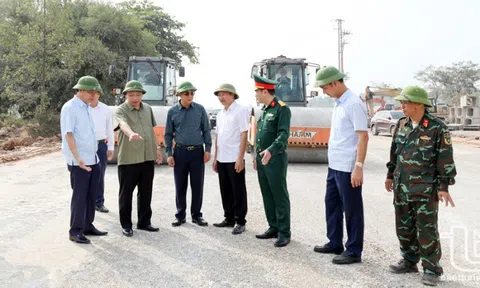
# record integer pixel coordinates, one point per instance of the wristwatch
(359, 164)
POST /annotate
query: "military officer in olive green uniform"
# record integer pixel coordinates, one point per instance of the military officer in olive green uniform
(271, 161)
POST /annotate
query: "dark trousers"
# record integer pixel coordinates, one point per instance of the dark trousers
(138, 175)
(82, 207)
(233, 191)
(102, 156)
(188, 162)
(272, 179)
(340, 197)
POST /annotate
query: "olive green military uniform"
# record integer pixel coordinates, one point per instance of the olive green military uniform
(273, 130)
(421, 165)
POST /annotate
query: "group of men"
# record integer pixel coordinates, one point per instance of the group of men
(420, 167)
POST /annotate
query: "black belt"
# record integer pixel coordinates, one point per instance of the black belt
(188, 147)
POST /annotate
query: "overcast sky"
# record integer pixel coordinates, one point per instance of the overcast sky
(390, 40)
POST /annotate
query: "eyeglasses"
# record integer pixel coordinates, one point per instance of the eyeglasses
(188, 93)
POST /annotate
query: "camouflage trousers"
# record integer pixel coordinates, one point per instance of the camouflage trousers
(416, 227)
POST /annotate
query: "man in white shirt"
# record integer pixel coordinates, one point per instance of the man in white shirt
(229, 160)
(103, 119)
(347, 149)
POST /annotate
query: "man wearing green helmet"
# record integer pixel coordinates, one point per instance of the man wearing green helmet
(347, 149)
(420, 170)
(229, 160)
(137, 152)
(79, 148)
(103, 119)
(187, 124)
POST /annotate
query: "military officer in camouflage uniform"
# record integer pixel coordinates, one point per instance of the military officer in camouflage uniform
(273, 130)
(420, 170)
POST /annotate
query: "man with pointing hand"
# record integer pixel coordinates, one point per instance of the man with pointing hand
(137, 152)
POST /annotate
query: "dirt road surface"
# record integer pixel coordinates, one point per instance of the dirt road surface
(35, 250)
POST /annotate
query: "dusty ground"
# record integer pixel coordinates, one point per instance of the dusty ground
(19, 143)
(35, 250)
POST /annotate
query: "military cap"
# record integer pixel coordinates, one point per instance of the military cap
(133, 86)
(414, 94)
(327, 75)
(185, 86)
(88, 83)
(264, 83)
(225, 87)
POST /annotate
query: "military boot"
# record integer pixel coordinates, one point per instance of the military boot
(404, 266)
(430, 279)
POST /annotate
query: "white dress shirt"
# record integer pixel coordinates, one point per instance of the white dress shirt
(231, 123)
(349, 116)
(103, 119)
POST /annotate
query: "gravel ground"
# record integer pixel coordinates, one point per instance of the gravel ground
(35, 250)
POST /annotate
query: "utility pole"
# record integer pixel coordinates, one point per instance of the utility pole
(341, 42)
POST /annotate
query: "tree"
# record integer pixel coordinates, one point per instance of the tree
(47, 45)
(166, 30)
(449, 83)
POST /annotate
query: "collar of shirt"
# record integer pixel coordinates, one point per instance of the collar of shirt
(133, 108)
(231, 107)
(343, 98)
(78, 102)
(180, 106)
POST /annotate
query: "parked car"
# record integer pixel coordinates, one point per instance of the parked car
(385, 121)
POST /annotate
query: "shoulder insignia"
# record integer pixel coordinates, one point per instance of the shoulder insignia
(447, 139)
(401, 122)
(425, 123)
(281, 103)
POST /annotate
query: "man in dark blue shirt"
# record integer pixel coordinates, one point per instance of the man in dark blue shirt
(187, 124)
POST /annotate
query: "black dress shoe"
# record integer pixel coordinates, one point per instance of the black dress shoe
(200, 221)
(128, 232)
(102, 209)
(178, 222)
(149, 228)
(326, 249)
(346, 259)
(224, 223)
(267, 235)
(281, 242)
(95, 232)
(239, 229)
(79, 238)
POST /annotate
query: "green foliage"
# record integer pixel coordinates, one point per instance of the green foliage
(45, 49)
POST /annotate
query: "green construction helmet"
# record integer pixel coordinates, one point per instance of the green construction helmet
(88, 83)
(414, 94)
(185, 86)
(133, 86)
(327, 75)
(225, 87)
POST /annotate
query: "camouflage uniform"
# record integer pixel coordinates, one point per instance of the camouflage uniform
(421, 165)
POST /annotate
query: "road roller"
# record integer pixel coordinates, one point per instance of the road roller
(311, 114)
(158, 76)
